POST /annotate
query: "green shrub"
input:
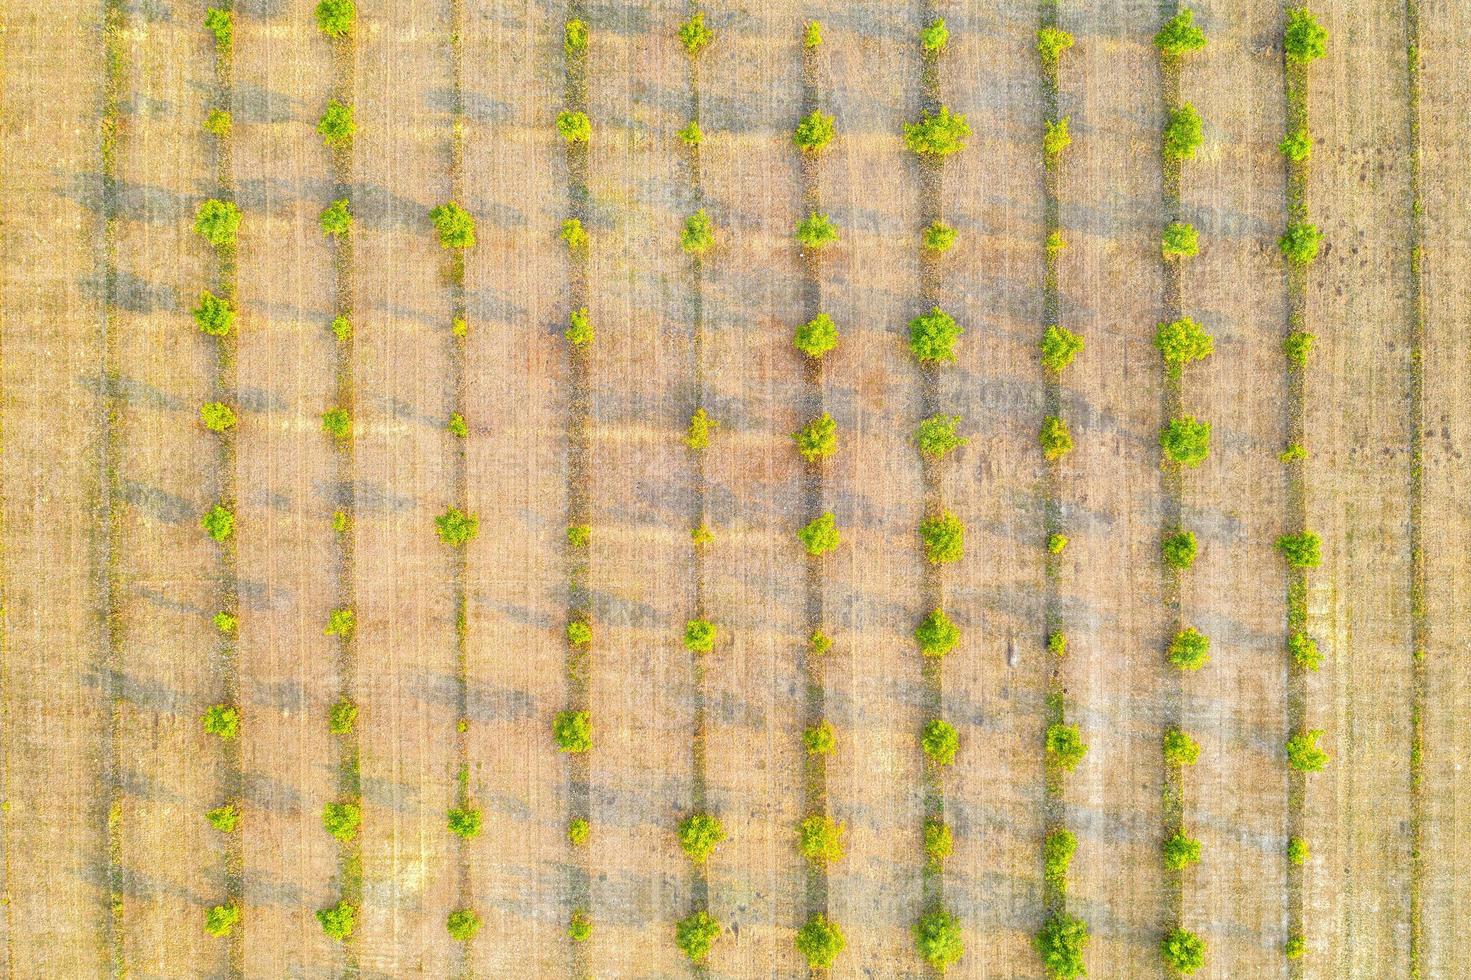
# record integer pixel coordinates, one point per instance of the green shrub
(1182, 136)
(1055, 139)
(337, 125)
(214, 315)
(939, 842)
(578, 831)
(572, 731)
(225, 819)
(698, 236)
(1057, 643)
(464, 821)
(1297, 851)
(579, 536)
(944, 538)
(342, 329)
(217, 416)
(220, 23)
(1186, 441)
(816, 231)
(820, 839)
(1059, 347)
(1058, 848)
(1303, 753)
(937, 135)
(455, 225)
(336, 218)
(1304, 651)
(702, 536)
(579, 926)
(574, 127)
(694, 35)
(818, 439)
(934, 36)
(1296, 946)
(573, 235)
(217, 222)
(574, 37)
(816, 337)
(1295, 453)
(341, 523)
(579, 633)
(1298, 146)
(1055, 439)
(696, 933)
(1178, 550)
(1180, 749)
(819, 643)
(1190, 649)
(691, 135)
(940, 741)
(221, 920)
(463, 925)
(218, 523)
(1055, 244)
(337, 423)
(1181, 850)
(1180, 35)
(1183, 341)
(1182, 951)
(218, 123)
(932, 337)
(1052, 44)
(1060, 944)
(812, 36)
(938, 939)
(459, 328)
(1300, 243)
(820, 535)
(455, 527)
(225, 622)
(1056, 542)
(1065, 748)
(342, 820)
(338, 921)
(936, 634)
(336, 18)
(697, 436)
(699, 636)
(815, 131)
(820, 940)
(341, 622)
(699, 835)
(1180, 241)
(342, 717)
(938, 236)
(937, 437)
(457, 426)
(1303, 39)
(222, 720)
(1302, 550)
(820, 739)
(579, 332)
(1297, 346)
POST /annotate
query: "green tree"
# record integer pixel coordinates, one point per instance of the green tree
(572, 731)
(1055, 439)
(932, 337)
(816, 337)
(579, 926)
(1055, 139)
(818, 439)
(218, 523)
(1303, 753)
(218, 123)
(1058, 848)
(938, 237)
(1296, 946)
(812, 35)
(217, 222)
(455, 527)
(691, 135)
(1180, 749)
(1297, 146)
(695, 934)
(940, 741)
(337, 423)
(1181, 850)
(465, 821)
(342, 717)
(938, 135)
(820, 839)
(579, 332)
(1304, 651)
(221, 920)
(1180, 241)
(1302, 550)
(934, 36)
(1052, 44)
(222, 720)
(217, 416)
(574, 37)
(337, 125)
(578, 831)
(699, 835)
(1297, 346)
(463, 925)
(1059, 347)
(1297, 851)
(342, 820)
(1182, 951)
(455, 225)
(820, 535)
(336, 18)
(938, 939)
(338, 921)
(698, 236)
(341, 622)
(1190, 649)
(336, 218)
(1180, 36)
(820, 739)
(1183, 133)
(937, 438)
(944, 538)
(574, 126)
(936, 634)
(699, 636)
(1060, 944)
(1186, 441)
(820, 941)
(225, 819)
(1183, 341)
(579, 633)
(1065, 747)
(815, 131)
(939, 843)
(1303, 39)
(1178, 550)
(816, 231)
(1300, 243)
(697, 435)
(573, 235)
(694, 35)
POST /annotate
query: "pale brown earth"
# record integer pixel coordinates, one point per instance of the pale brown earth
(641, 492)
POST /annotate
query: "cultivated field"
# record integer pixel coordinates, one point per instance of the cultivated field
(116, 855)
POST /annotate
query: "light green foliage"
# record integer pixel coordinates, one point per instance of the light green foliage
(1300, 243)
(464, 822)
(1055, 139)
(699, 835)
(217, 222)
(1178, 550)
(1180, 35)
(939, 135)
(342, 329)
(932, 337)
(341, 622)
(336, 218)
(225, 622)
(1295, 453)
(820, 839)
(1052, 44)
(695, 934)
(702, 536)
(1182, 951)
(694, 35)
(697, 436)
(336, 18)
(1298, 146)
(936, 634)
(338, 921)
(699, 636)
(579, 926)
(1059, 346)
(573, 126)
(221, 920)
(1058, 848)
(1060, 944)
(1297, 851)
(1186, 440)
(463, 925)
(1183, 341)
(455, 225)
(944, 538)
(337, 125)
(939, 842)
(820, 739)
(1180, 241)
(1303, 753)
(938, 939)
(1296, 946)
(342, 717)
(698, 236)
(812, 35)
(342, 820)
(1056, 542)
(222, 720)
(221, 23)
(936, 436)
(1065, 748)
(217, 416)
(337, 423)
(818, 439)
(940, 741)
(579, 633)
(1181, 850)
(1057, 643)
(1304, 651)
(218, 123)
(572, 731)
(1302, 550)
(815, 131)
(934, 36)
(1055, 439)
(1303, 39)
(341, 522)
(459, 328)
(820, 941)
(1190, 649)
(455, 527)
(578, 831)
(938, 236)
(1183, 133)
(218, 523)
(575, 37)
(579, 332)
(816, 337)
(1180, 749)
(819, 643)
(816, 231)
(820, 535)
(691, 135)
(214, 315)
(457, 425)
(1055, 244)
(225, 819)
(579, 536)
(1297, 346)
(573, 235)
